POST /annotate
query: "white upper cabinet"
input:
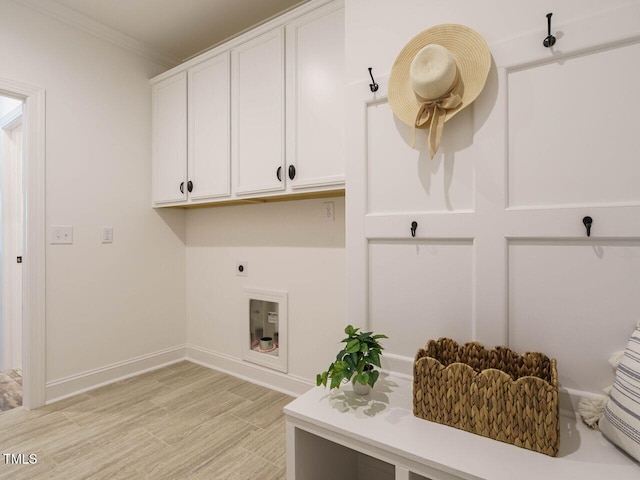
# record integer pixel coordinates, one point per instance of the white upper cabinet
(257, 102)
(316, 98)
(209, 129)
(259, 116)
(191, 128)
(170, 139)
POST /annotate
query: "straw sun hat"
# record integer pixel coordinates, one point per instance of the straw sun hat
(438, 73)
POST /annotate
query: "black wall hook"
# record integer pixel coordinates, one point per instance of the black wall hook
(373, 86)
(550, 41)
(414, 226)
(587, 223)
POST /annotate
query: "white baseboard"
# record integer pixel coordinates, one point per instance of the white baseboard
(82, 382)
(281, 382)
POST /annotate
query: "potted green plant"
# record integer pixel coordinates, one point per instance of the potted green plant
(355, 362)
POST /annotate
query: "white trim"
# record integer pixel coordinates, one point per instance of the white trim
(90, 380)
(266, 377)
(33, 279)
(76, 384)
(14, 116)
(99, 30)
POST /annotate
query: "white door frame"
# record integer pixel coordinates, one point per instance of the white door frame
(11, 242)
(33, 273)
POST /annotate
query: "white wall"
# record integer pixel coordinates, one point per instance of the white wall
(105, 303)
(288, 247)
(481, 268)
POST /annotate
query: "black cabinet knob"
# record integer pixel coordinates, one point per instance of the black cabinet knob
(181, 187)
(279, 174)
(189, 186)
(292, 172)
(414, 226)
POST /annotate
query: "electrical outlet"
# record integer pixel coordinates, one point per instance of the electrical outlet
(107, 234)
(241, 269)
(328, 211)
(61, 235)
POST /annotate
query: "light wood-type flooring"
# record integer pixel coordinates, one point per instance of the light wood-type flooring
(183, 421)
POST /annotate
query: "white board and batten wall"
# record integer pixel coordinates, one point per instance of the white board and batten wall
(501, 254)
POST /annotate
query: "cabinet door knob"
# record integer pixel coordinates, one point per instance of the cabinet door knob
(292, 172)
(279, 174)
(181, 187)
(414, 226)
(189, 186)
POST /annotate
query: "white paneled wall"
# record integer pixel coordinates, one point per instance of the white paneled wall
(500, 252)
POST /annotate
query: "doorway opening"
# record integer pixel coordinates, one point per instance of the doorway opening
(11, 250)
(33, 244)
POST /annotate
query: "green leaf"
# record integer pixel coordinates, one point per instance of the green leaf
(339, 367)
(354, 358)
(335, 381)
(318, 380)
(373, 377)
(375, 337)
(353, 346)
(364, 348)
(374, 358)
(341, 354)
(350, 362)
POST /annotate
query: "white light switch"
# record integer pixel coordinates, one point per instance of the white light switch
(61, 234)
(107, 234)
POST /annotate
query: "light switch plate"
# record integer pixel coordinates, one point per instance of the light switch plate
(107, 234)
(61, 234)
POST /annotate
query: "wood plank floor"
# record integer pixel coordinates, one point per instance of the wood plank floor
(182, 421)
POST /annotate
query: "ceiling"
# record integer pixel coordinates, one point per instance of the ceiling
(177, 29)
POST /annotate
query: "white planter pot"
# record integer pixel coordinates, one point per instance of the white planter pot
(361, 389)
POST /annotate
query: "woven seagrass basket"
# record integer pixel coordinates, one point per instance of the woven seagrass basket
(495, 393)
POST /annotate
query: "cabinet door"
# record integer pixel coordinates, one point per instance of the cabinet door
(257, 93)
(169, 139)
(316, 98)
(209, 119)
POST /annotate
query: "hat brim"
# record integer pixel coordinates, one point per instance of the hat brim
(472, 57)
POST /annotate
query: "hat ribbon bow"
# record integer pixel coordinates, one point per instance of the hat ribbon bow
(431, 115)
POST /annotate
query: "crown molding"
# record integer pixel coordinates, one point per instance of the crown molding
(55, 10)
